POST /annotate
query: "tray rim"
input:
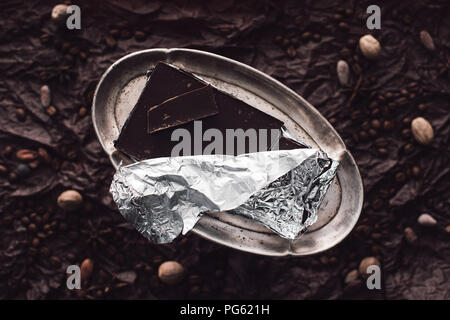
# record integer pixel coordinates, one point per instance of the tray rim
(286, 90)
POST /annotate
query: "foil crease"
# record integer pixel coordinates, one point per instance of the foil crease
(283, 190)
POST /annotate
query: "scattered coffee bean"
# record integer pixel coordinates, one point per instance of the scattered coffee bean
(110, 41)
(86, 269)
(408, 148)
(388, 125)
(26, 155)
(343, 26)
(70, 200)
(382, 151)
(51, 111)
(365, 263)
(427, 40)
(447, 229)
(416, 171)
(3, 170)
(381, 142)
(426, 220)
(402, 101)
(370, 47)
(377, 204)
(306, 35)
(364, 136)
(406, 133)
(35, 242)
(43, 154)
(21, 114)
(422, 107)
(291, 51)
(140, 36)
(316, 37)
(410, 235)
(376, 124)
(46, 98)
(372, 132)
(170, 272)
(337, 16)
(278, 39)
(422, 131)
(400, 177)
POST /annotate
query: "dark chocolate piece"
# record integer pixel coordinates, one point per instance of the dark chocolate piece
(166, 82)
(288, 144)
(193, 105)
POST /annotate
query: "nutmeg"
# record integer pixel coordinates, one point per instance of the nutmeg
(59, 12)
(343, 72)
(365, 263)
(170, 272)
(370, 47)
(422, 130)
(46, 98)
(87, 266)
(426, 220)
(427, 40)
(69, 200)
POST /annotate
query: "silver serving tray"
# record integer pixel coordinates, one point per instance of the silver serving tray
(121, 85)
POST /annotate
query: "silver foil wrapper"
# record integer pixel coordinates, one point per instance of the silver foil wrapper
(283, 190)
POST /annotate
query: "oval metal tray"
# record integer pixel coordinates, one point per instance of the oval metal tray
(121, 85)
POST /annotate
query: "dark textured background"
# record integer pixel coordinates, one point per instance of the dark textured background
(268, 35)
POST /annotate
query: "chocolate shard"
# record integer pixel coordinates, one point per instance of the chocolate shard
(193, 105)
(164, 83)
(167, 82)
(286, 143)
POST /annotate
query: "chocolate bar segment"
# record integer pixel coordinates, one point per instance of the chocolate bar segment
(193, 105)
(167, 82)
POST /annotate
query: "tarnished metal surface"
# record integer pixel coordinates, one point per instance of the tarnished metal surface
(119, 89)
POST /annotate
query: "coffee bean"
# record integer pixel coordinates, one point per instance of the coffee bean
(3, 170)
(348, 12)
(388, 125)
(355, 114)
(363, 136)
(447, 229)
(21, 114)
(285, 42)
(408, 148)
(140, 36)
(401, 101)
(382, 151)
(337, 16)
(110, 41)
(35, 242)
(125, 34)
(306, 35)
(373, 105)
(32, 227)
(376, 124)
(365, 264)
(51, 111)
(26, 155)
(377, 204)
(365, 125)
(381, 142)
(114, 32)
(372, 132)
(416, 171)
(375, 112)
(316, 37)
(343, 26)
(427, 40)
(422, 107)
(404, 92)
(400, 177)
(43, 154)
(295, 41)
(410, 235)
(407, 121)
(291, 51)
(278, 39)
(7, 151)
(389, 95)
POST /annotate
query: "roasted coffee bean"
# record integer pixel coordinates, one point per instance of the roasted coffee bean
(82, 111)
(373, 105)
(35, 242)
(25, 220)
(3, 170)
(410, 235)
(295, 41)
(291, 51)
(415, 170)
(26, 155)
(375, 112)
(278, 39)
(51, 111)
(392, 105)
(407, 121)
(110, 41)
(337, 16)
(363, 136)
(114, 32)
(348, 12)
(355, 114)
(125, 34)
(382, 151)
(404, 92)
(7, 151)
(408, 148)
(86, 269)
(381, 142)
(389, 95)
(401, 101)
(140, 36)
(422, 107)
(365, 264)
(375, 123)
(365, 125)
(32, 227)
(43, 154)
(21, 114)
(34, 164)
(285, 42)
(343, 26)
(412, 96)
(388, 125)
(377, 204)
(384, 193)
(316, 37)
(306, 35)
(427, 40)
(400, 177)
(372, 132)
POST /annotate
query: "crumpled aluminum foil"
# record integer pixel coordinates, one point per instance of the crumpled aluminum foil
(164, 197)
